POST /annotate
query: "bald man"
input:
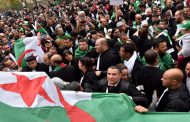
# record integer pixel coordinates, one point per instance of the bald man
(175, 98)
(107, 56)
(61, 70)
(137, 22)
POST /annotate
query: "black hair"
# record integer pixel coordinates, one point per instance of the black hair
(65, 52)
(87, 62)
(83, 40)
(129, 47)
(158, 40)
(151, 56)
(31, 58)
(74, 86)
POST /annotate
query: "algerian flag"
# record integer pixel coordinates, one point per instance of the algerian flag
(26, 47)
(165, 32)
(39, 28)
(136, 5)
(32, 97)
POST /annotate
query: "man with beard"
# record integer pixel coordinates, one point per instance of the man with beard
(10, 65)
(179, 19)
(169, 7)
(165, 60)
(186, 13)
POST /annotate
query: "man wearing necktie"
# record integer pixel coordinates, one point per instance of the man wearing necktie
(175, 98)
(114, 84)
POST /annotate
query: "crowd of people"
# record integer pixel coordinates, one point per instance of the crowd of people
(140, 48)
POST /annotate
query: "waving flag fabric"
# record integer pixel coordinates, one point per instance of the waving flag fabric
(33, 97)
(26, 47)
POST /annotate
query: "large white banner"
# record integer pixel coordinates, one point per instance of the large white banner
(116, 2)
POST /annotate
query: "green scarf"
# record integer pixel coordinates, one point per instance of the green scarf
(120, 42)
(81, 53)
(62, 65)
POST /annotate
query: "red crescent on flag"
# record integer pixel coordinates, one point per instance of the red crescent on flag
(22, 56)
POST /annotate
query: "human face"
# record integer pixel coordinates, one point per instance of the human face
(48, 44)
(32, 64)
(113, 76)
(68, 57)
(166, 81)
(122, 53)
(186, 12)
(116, 33)
(187, 69)
(138, 19)
(124, 74)
(67, 43)
(52, 51)
(98, 46)
(168, 3)
(103, 22)
(99, 35)
(149, 12)
(162, 48)
(10, 64)
(124, 39)
(83, 46)
(158, 12)
(80, 65)
(6, 48)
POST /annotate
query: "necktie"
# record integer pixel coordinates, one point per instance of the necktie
(98, 62)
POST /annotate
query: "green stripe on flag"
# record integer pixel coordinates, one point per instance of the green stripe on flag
(19, 48)
(11, 114)
(103, 107)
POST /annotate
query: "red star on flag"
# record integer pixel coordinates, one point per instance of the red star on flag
(28, 88)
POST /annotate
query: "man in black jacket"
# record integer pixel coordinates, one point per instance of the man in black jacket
(114, 84)
(34, 66)
(107, 56)
(150, 76)
(176, 97)
(130, 60)
(61, 70)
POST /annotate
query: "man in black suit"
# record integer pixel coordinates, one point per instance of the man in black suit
(104, 26)
(176, 97)
(50, 28)
(150, 76)
(114, 84)
(130, 60)
(34, 66)
(107, 57)
(61, 70)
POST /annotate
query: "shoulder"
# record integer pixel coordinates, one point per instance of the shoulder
(103, 82)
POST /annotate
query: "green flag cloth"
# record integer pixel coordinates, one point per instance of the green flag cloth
(46, 103)
(136, 5)
(40, 29)
(26, 47)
